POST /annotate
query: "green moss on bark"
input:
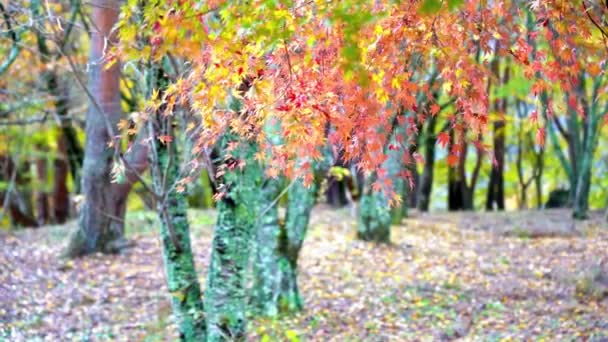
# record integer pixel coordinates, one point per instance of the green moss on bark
(182, 279)
(225, 297)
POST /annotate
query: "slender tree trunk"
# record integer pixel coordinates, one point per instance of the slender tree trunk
(496, 195)
(96, 230)
(41, 194)
(180, 270)
(426, 181)
(20, 214)
(226, 295)
(75, 154)
(460, 191)
(538, 177)
(61, 194)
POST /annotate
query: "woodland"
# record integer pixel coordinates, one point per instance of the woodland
(303, 170)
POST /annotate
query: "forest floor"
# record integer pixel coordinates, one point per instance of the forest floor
(501, 276)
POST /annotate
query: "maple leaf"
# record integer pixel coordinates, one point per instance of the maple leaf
(540, 136)
(452, 159)
(443, 139)
(434, 109)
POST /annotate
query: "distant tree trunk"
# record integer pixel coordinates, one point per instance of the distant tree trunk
(374, 218)
(336, 191)
(410, 195)
(98, 228)
(226, 295)
(75, 154)
(16, 202)
(61, 194)
(460, 190)
(41, 194)
(589, 145)
(426, 180)
(538, 177)
(496, 193)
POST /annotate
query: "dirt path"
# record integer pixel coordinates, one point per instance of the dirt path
(446, 276)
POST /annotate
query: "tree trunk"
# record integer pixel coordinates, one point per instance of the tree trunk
(226, 297)
(374, 223)
(538, 177)
(426, 181)
(496, 194)
(270, 264)
(61, 194)
(41, 195)
(16, 202)
(98, 228)
(180, 270)
(275, 284)
(75, 154)
(375, 214)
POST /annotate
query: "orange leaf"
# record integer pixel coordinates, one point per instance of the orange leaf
(452, 160)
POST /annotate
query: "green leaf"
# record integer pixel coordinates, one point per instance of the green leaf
(452, 4)
(430, 6)
(292, 336)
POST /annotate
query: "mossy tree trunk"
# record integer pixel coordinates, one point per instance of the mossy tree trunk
(182, 279)
(375, 215)
(275, 288)
(268, 261)
(226, 293)
(172, 205)
(589, 145)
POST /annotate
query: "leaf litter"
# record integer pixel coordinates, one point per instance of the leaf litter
(446, 276)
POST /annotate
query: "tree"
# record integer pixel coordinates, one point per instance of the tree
(275, 289)
(101, 218)
(496, 186)
(312, 64)
(375, 215)
(171, 205)
(226, 293)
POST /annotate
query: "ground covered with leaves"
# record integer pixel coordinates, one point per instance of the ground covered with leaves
(499, 276)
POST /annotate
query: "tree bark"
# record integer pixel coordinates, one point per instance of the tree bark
(98, 227)
(375, 214)
(226, 295)
(41, 195)
(180, 269)
(496, 194)
(460, 190)
(61, 194)
(426, 180)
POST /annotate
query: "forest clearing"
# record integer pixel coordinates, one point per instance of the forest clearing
(488, 276)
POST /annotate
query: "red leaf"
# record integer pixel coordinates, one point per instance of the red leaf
(434, 109)
(443, 139)
(534, 117)
(452, 160)
(540, 136)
